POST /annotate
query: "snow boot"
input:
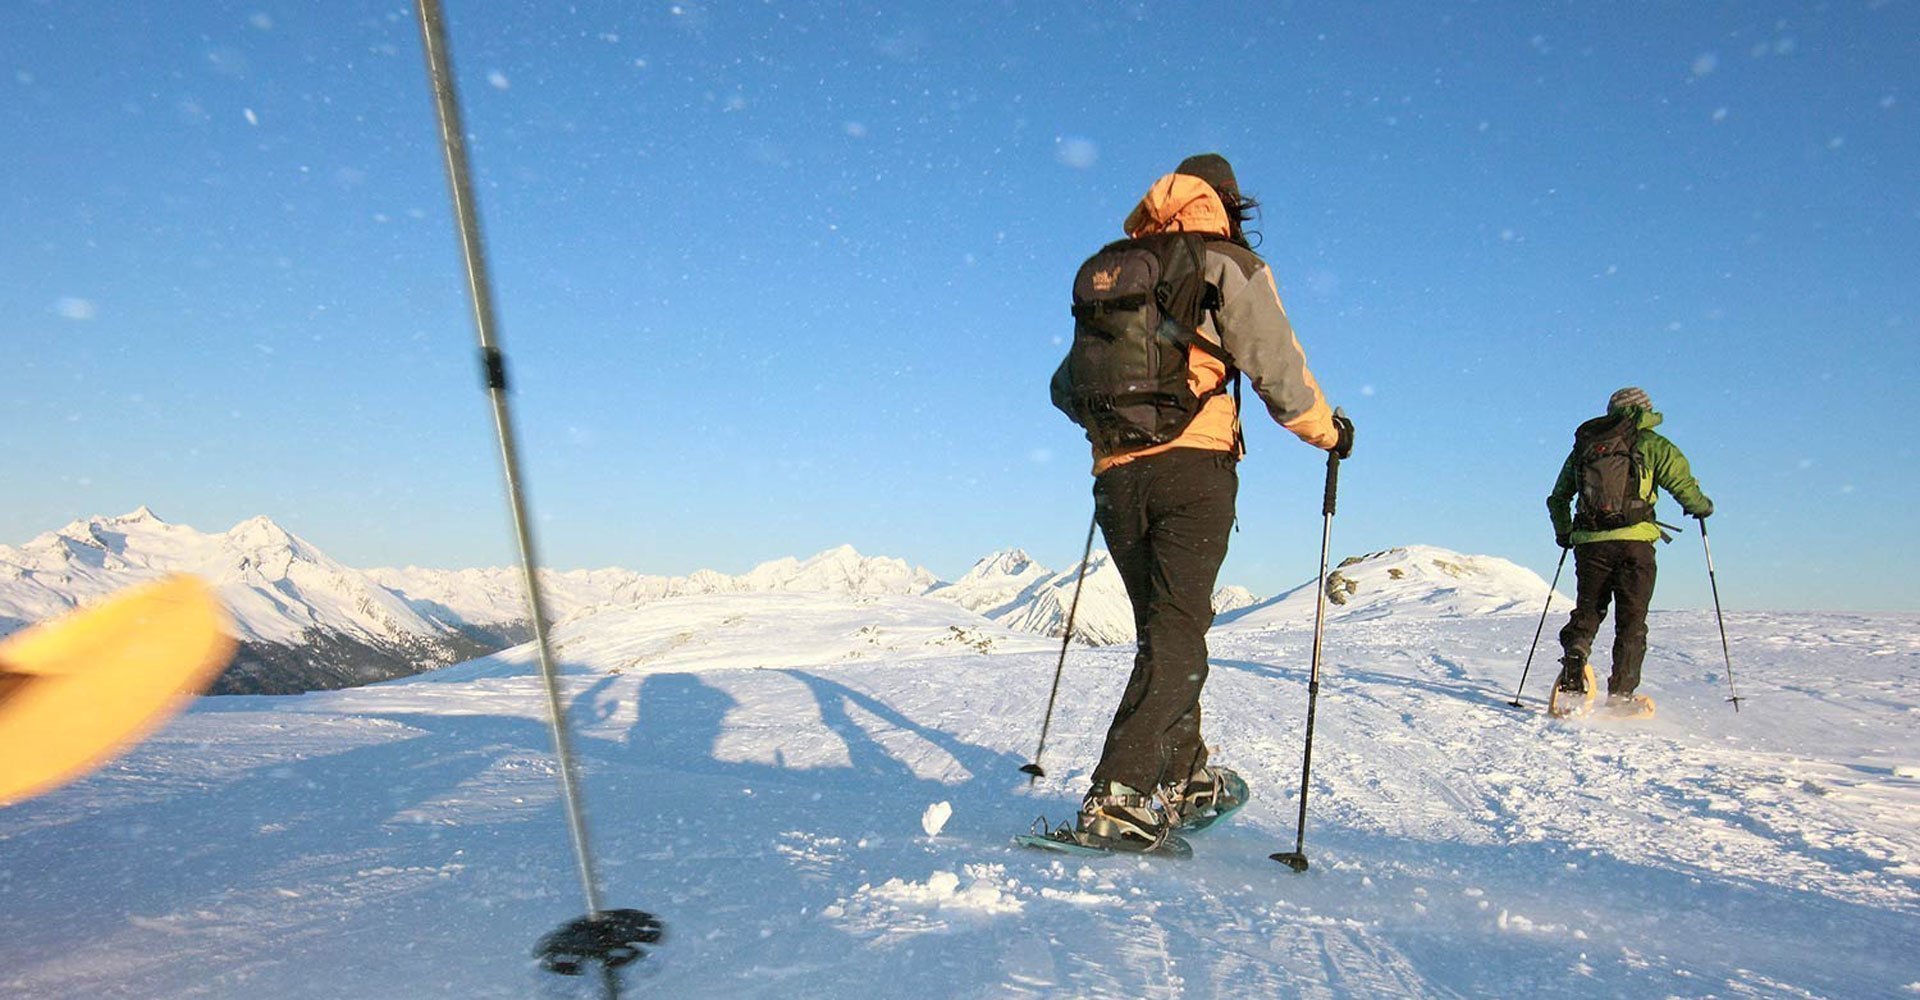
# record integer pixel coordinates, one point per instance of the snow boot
(1629, 706)
(1117, 818)
(1208, 795)
(1574, 692)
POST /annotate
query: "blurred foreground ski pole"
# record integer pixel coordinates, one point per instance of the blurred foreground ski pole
(1033, 770)
(1296, 859)
(1732, 696)
(1551, 587)
(611, 938)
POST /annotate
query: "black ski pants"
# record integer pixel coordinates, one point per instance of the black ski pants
(1621, 572)
(1166, 518)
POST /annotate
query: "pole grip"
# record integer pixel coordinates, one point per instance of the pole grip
(1333, 485)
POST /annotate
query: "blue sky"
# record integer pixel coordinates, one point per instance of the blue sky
(774, 277)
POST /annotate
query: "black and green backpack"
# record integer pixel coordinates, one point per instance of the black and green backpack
(1137, 305)
(1609, 468)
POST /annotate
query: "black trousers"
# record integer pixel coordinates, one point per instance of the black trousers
(1166, 518)
(1621, 572)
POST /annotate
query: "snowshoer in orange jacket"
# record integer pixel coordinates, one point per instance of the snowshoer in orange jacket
(1166, 508)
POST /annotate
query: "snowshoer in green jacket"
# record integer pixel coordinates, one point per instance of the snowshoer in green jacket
(1616, 465)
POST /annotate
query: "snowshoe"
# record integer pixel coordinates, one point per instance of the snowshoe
(1628, 706)
(1568, 700)
(1115, 818)
(1209, 796)
(1067, 840)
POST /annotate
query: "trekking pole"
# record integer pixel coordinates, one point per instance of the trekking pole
(1034, 770)
(1732, 696)
(1296, 859)
(1555, 585)
(610, 937)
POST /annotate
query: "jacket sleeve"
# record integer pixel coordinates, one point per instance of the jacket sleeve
(1560, 501)
(1253, 327)
(1673, 473)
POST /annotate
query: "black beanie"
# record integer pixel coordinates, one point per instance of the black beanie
(1215, 170)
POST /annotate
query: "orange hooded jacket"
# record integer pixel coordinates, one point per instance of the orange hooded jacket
(1251, 324)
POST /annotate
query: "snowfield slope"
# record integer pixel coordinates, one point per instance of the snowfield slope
(720, 631)
(765, 798)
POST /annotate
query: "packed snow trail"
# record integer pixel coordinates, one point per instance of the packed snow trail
(406, 838)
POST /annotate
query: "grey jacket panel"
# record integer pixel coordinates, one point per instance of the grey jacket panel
(1254, 328)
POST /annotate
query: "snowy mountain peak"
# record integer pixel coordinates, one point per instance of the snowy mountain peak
(839, 570)
(1430, 563)
(1104, 615)
(707, 581)
(139, 515)
(261, 527)
(277, 586)
(107, 542)
(1233, 598)
(996, 584)
(1413, 580)
(263, 533)
(87, 533)
(1006, 562)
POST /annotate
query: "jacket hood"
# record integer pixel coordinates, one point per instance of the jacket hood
(1649, 419)
(1179, 203)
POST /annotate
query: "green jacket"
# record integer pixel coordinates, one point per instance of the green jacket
(1662, 465)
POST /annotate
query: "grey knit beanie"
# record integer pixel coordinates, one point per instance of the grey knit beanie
(1630, 396)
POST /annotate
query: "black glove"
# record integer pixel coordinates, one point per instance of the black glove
(1343, 447)
(1564, 541)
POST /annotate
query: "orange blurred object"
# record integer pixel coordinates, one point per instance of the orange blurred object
(79, 689)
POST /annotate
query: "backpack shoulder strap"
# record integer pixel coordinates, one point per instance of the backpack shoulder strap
(1195, 245)
(1192, 246)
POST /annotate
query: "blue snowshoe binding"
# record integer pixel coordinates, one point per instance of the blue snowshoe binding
(1209, 796)
(1114, 819)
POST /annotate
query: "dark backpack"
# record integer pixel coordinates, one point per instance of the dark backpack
(1608, 466)
(1136, 306)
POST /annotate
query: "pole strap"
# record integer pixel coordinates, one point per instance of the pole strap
(493, 368)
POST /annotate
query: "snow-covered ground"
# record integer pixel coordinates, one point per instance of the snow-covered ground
(758, 767)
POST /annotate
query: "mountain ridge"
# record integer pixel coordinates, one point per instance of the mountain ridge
(307, 621)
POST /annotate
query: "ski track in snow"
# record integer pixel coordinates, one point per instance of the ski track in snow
(406, 839)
